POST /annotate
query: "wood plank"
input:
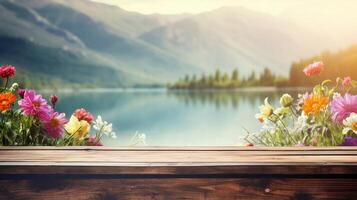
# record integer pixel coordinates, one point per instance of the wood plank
(181, 148)
(176, 157)
(16, 160)
(157, 189)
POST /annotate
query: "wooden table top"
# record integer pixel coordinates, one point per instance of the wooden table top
(178, 160)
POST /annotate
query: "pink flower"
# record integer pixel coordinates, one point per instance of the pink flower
(82, 114)
(7, 71)
(53, 100)
(53, 124)
(34, 105)
(346, 81)
(342, 107)
(314, 68)
(93, 141)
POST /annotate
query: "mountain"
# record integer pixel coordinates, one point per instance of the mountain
(88, 43)
(61, 29)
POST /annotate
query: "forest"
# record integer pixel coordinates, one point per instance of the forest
(338, 64)
(219, 80)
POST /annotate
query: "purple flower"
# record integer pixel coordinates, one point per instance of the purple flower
(349, 141)
(342, 107)
(34, 105)
(53, 124)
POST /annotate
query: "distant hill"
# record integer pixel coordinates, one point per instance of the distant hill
(337, 64)
(92, 44)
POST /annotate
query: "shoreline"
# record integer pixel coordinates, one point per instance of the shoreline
(164, 89)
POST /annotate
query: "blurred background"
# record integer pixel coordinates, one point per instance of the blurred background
(184, 72)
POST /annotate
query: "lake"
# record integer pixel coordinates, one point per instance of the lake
(174, 118)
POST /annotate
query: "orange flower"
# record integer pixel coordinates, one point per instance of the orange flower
(314, 104)
(6, 99)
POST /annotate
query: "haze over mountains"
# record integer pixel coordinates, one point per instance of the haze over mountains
(84, 42)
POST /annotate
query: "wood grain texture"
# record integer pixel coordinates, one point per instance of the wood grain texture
(178, 173)
(167, 189)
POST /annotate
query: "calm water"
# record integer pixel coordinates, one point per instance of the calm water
(211, 118)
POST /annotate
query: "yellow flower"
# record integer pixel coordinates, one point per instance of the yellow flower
(79, 129)
(265, 111)
(314, 104)
(286, 100)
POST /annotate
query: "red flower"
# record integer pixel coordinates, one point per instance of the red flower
(21, 93)
(53, 100)
(7, 71)
(82, 114)
(314, 69)
(93, 141)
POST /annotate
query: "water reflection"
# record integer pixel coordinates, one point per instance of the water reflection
(174, 118)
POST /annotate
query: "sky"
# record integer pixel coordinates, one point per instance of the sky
(196, 6)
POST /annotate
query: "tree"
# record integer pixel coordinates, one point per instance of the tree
(267, 77)
(217, 76)
(235, 75)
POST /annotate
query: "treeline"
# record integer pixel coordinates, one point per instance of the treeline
(339, 64)
(219, 80)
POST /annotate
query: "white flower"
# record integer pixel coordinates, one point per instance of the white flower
(138, 138)
(14, 87)
(336, 94)
(103, 127)
(268, 126)
(301, 123)
(350, 123)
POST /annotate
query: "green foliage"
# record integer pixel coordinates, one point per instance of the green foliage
(292, 125)
(220, 80)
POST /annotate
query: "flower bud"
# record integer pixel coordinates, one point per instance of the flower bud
(21, 93)
(346, 82)
(286, 100)
(313, 142)
(53, 100)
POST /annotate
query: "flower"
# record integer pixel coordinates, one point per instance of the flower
(336, 94)
(350, 123)
(314, 104)
(300, 123)
(349, 141)
(6, 99)
(13, 87)
(302, 98)
(346, 81)
(53, 124)
(53, 99)
(93, 141)
(34, 105)
(343, 106)
(82, 114)
(266, 110)
(77, 128)
(138, 138)
(7, 71)
(104, 127)
(21, 93)
(286, 100)
(313, 69)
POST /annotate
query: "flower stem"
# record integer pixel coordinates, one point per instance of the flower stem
(7, 81)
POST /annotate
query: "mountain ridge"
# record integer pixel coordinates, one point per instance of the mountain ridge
(144, 49)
